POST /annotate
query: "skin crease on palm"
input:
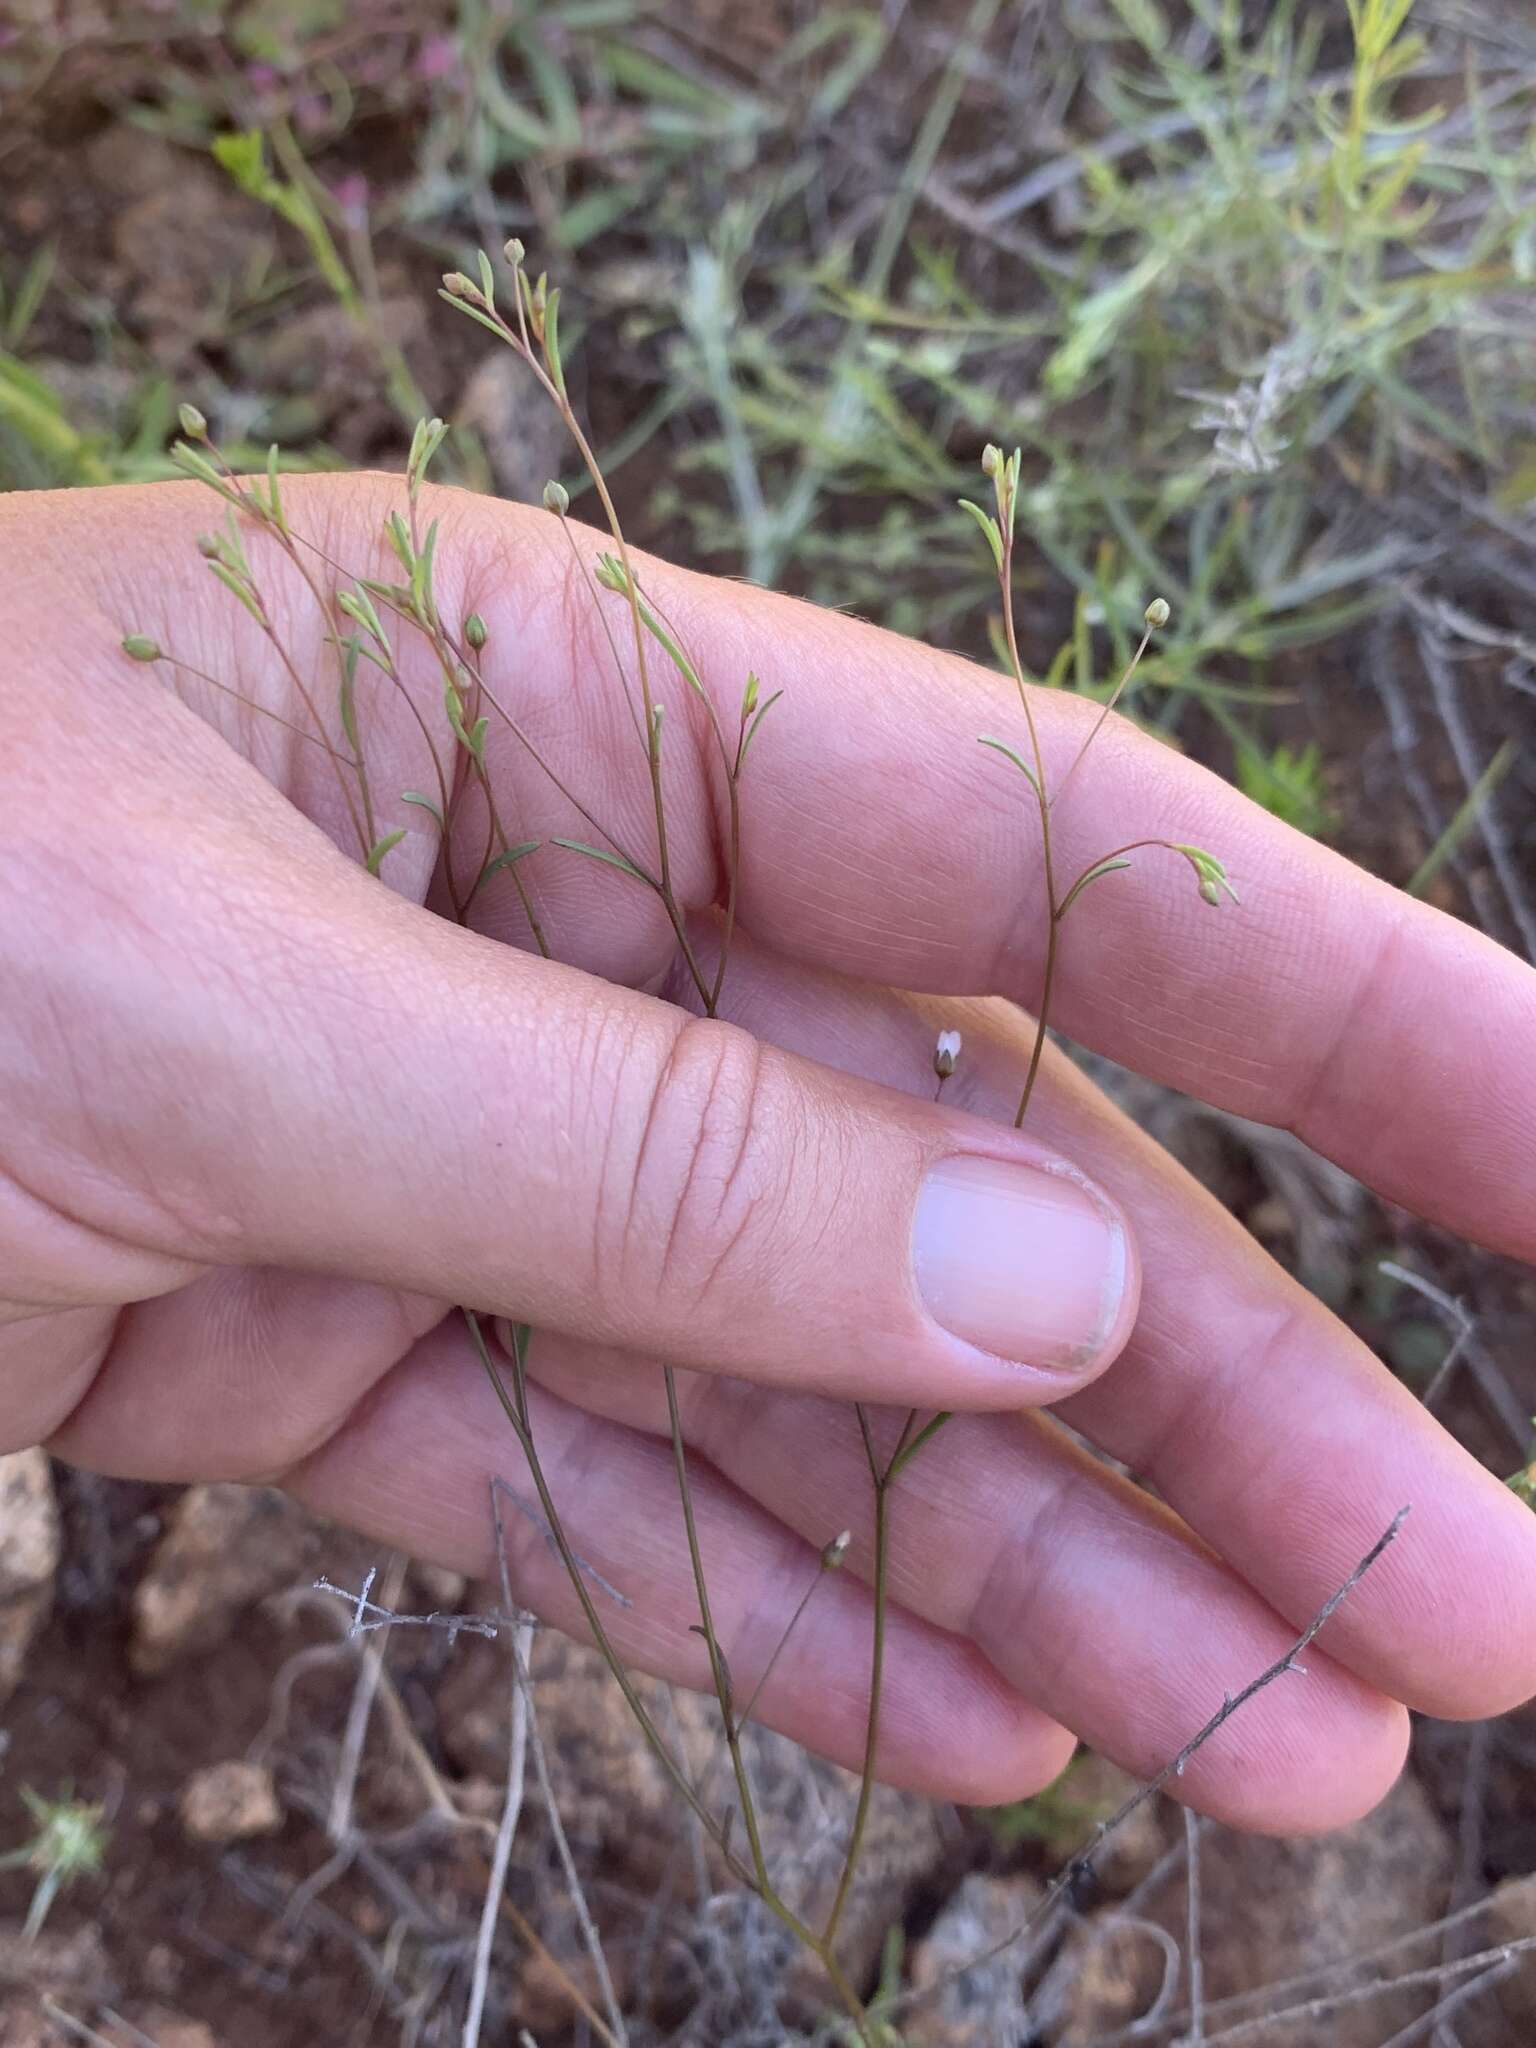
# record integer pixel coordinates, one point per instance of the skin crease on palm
(264, 1119)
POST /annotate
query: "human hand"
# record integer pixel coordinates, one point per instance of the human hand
(262, 1119)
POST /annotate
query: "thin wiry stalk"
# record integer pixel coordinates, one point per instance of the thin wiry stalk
(522, 341)
(1048, 980)
(274, 524)
(717, 1664)
(880, 1478)
(250, 703)
(514, 1405)
(302, 692)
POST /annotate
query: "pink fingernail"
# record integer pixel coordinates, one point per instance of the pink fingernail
(1020, 1261)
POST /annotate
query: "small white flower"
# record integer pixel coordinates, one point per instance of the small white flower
(946, 1053)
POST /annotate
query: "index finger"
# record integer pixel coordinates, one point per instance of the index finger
(879, 838)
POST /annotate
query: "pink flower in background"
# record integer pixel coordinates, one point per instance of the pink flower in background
(351, 195)
(437, 56)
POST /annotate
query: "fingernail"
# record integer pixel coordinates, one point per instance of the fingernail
(1021, 1262)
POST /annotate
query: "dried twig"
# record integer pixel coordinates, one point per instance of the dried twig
(616, 2032)
(1193, 1964)
(511, 1807)
(368, 1615)
(1072, 1873)
(1469, 1881)
(339, 1821)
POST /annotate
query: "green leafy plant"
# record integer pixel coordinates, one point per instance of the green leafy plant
(1288, 783)
(70, 1843)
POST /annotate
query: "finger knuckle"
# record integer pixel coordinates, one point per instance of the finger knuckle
(704, 1169)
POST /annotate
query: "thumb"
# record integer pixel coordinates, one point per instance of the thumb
(306, 1070)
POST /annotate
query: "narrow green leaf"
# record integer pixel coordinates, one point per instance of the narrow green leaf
(1001, 747)
(29, 294)
(274, 495)
(232, 582)
(487, 277)
(1094, 874)
(421, 577)
(399, 537)
(1468, 815)
(473, 313)
(988, 526)
(380, 847)
(194, 463)
(395, 594)
(350, 650)
(675, 654)
(763, 711)
(424, 803)
(358, 605)
(613, 860)
(471, 740)
(507, 858)
(242, 155)
(552, 340)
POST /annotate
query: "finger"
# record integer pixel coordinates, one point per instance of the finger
(236, 1376)
(1264, 1421)
(1082, 1593)
(1377, 1028)
(413, 1467)
(880, 839)
(272, 1060)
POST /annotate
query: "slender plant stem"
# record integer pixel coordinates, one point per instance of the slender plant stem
(1010, 630)
(924, 1437)
(1047, 989)
(250, 703)
(272, 523)
(717, 1665)
(307, 700)
(515, 1407)
(876, 1690)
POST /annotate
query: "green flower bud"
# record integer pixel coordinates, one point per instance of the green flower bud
(1157, 612)
(991, 460)
(556, 498)
(193, 425)
(139, 647)
(514, 251)
(475, 632)
(611, 575)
